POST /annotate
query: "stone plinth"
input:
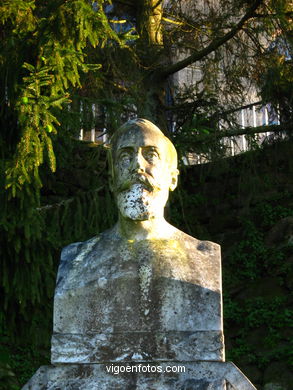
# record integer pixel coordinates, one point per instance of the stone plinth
(197, 376)
(171, 346)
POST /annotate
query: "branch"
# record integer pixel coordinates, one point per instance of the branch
(188, 105)
(199, 55)
(257, 15)
(156, 5)
(254, 130)
(172, 21)
(250, 105)
(66, 201)
(237, 132)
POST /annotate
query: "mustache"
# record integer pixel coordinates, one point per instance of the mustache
(147, 181)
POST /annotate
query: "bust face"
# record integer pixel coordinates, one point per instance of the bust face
(143, 173)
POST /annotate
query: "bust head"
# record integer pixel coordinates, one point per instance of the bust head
(143, 169)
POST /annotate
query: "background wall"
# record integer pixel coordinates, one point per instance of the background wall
(245, 204)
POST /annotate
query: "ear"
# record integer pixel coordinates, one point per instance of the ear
(174, 180)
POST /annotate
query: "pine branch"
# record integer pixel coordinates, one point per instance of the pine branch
(272, 15)
(199, 102)
(255, 130)
(250, 105)
(206, 138)
(67, 201)
(214, 45)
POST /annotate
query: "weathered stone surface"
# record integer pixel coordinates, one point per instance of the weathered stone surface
(197, 376)
(157, 299)
(142, 291)
(136, 346)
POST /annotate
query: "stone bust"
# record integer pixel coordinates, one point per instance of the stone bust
(142, 290)
(141, 294)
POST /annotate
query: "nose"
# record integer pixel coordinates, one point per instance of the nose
(138, 163)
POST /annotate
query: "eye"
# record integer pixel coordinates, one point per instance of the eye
(151, 155)
(125, 157)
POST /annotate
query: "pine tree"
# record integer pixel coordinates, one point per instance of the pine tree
(43, 58)
(225, 43)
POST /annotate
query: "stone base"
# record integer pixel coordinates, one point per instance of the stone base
(197, 376)
(145, 346)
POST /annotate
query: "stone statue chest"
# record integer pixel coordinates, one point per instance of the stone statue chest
(124, 300)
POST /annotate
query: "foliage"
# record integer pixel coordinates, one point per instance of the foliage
(245, 204)
(50, 62)
(33, 251)
(277, 84)
(272, 318)
(21, 359)
(262, 312)
(59, 57)
(224, 45)
(43, 59)
(275, 75)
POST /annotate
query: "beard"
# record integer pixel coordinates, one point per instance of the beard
(138, 203)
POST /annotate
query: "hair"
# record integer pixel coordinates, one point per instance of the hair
(140, 124)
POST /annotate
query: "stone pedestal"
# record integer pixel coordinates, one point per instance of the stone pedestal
(142, 303)
(197, 376)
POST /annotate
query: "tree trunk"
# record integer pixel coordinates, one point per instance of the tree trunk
(151, 99)
(149, 16)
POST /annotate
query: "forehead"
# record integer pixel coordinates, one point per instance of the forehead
(135, 137)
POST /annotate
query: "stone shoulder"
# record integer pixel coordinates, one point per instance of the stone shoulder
(71, 256)
(200, 245)
(70, 251)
